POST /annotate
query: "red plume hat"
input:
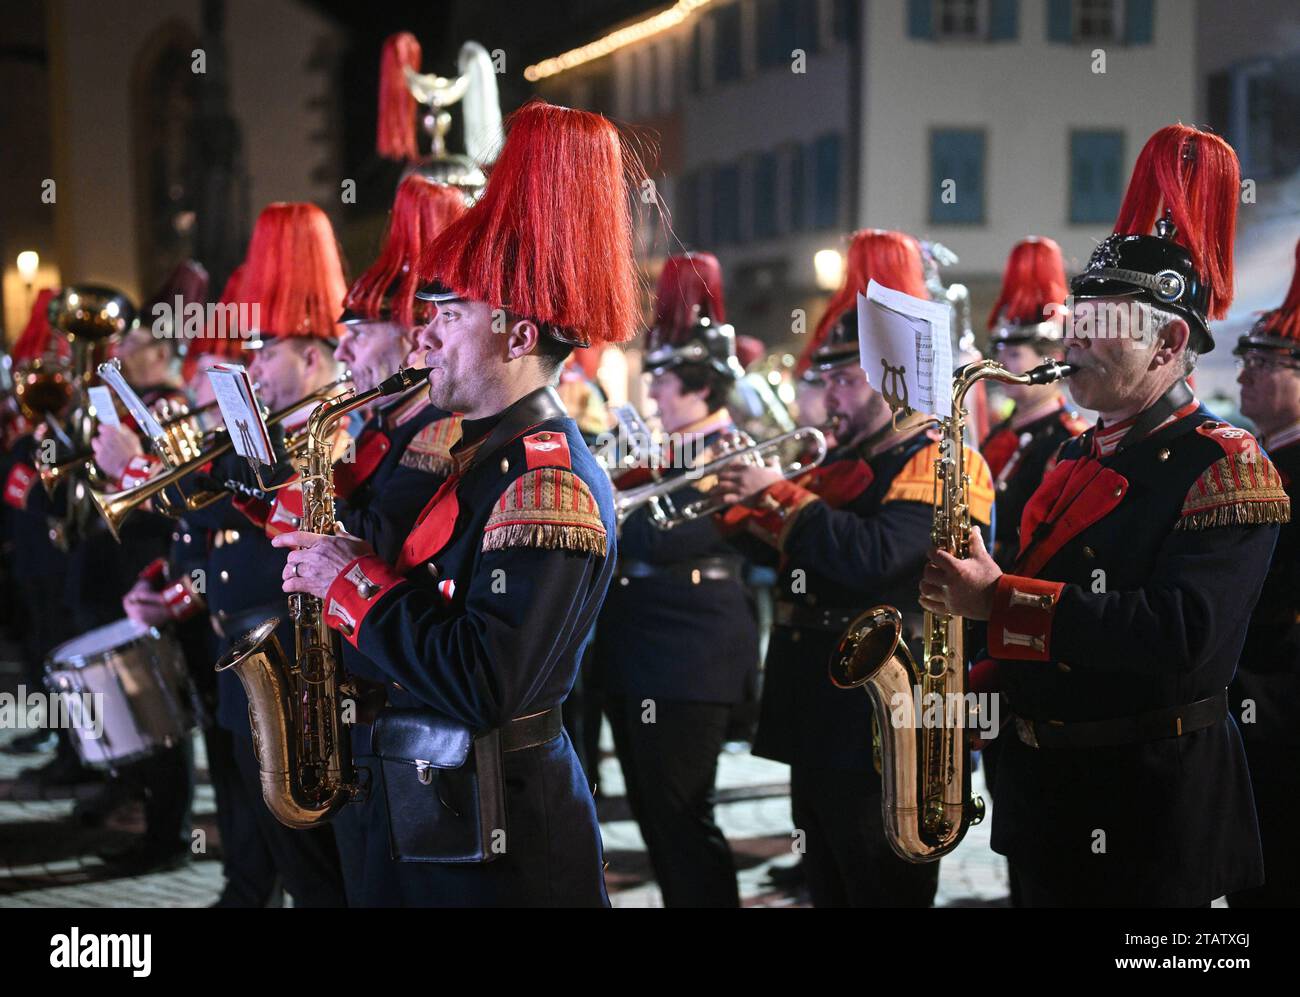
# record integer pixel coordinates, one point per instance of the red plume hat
(38, 337)
(890, 258)
(1030, 306)
(293, 275)
(691, 318)
(395, 133)
(421, 210)
(223, 336)
(551, 238)
(1277, 332)
(1185, 186)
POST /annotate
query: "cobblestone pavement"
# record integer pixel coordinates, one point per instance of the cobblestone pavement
(48, 859)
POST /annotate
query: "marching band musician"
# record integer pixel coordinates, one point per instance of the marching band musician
(1115, 634)
(170, 593)
(853, 533)
(1266, 691)
(402, 455)
(479, 625)
(677, 643)
(37, 560)
(1025, 329)
(294, 278)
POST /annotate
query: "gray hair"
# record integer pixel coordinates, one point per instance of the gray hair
(1160, 319)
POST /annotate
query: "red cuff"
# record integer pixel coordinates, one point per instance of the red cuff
(182, 601)
(1020, 626)
(155, 573)
(286, 511)
(355, 591)
(139, 468)
(984, 676)
(19, 485)
(777, 509)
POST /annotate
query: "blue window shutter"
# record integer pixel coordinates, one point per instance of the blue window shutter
(798, 190)
(770, 43)
(1139, 21)
(920, 19)
(726, 44)
(1003, 15)
(726, 205)
(1060, 21)
(826, 203)
(765, 223)
(957, 154)
(1096, 176)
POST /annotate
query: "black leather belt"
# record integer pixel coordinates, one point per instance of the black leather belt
(787, 614)
(713, 569)
(230, 626)
(1173, 721)
(532, 730)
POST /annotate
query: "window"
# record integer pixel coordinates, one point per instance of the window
(798, 188)
(957, 176)
(727, 63)
(726, 205)
(1094, 20)
(783, 26)
(958, 19)
(1091, 21)
(765, 219)
(1096, 176)
(963, 20)
(827, 167)
(1254, 105)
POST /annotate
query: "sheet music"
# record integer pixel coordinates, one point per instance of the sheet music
(112, 374)
(243, 416)
(105, 411)
(906, 349)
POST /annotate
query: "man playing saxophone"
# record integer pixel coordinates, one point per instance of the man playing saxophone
(479, 625)
(1123, 780)
(852, 534)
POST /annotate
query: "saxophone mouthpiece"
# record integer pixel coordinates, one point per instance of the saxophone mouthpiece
(407, 377)
(1053, 370)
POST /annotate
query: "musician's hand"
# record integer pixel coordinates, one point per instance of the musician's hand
(317, 559)
(739, 481)
(961, 587)
(114, 446)
(143, 605)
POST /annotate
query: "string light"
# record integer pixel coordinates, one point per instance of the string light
(615, 40)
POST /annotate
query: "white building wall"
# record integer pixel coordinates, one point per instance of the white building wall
(1027, 95)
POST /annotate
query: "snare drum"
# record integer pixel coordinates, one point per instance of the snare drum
(142, 699)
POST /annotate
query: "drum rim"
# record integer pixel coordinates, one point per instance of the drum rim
(82, 660)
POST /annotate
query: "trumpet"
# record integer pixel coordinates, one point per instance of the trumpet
(182, 440)
(115, 506)
(658, 494)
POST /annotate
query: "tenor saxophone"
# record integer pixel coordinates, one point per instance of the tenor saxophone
(926, 767)
(295, 706)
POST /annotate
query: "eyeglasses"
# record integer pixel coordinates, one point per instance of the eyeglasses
(1260, 362)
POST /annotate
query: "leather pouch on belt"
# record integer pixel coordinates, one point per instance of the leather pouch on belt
(444, 787)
